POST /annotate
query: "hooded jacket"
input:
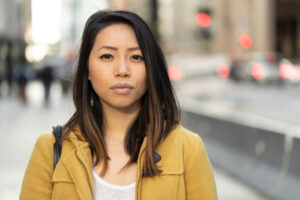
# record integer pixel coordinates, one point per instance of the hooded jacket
(186, 172)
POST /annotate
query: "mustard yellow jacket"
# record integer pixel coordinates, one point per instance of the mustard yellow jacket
(186, 170)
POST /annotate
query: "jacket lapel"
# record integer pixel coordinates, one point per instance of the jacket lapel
(79, 166)
(168, 159)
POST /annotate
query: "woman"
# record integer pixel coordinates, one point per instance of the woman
(124, 140)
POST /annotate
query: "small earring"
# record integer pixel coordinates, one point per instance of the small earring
(92, 102)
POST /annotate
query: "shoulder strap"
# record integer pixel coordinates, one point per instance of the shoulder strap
(57, 132)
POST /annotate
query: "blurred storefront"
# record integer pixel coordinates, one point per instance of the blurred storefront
(287, 27)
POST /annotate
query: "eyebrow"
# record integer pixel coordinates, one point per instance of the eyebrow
(115, 48)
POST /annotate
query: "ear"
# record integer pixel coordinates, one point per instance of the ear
(89, 78)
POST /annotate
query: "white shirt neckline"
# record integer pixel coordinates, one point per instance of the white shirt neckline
(112, 186)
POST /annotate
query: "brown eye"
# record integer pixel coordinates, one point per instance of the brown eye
(106, 56)
(137, 57)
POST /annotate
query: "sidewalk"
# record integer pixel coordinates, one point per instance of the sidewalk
(21, 125)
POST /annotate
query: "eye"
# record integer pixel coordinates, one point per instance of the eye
(137, 57)
(106, 56)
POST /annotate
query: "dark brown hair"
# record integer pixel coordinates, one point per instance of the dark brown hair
(159, 111)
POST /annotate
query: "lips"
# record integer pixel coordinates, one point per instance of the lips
(122, 88)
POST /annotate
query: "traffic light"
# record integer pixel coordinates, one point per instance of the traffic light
(204, 21)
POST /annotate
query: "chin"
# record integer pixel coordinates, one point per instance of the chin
(125, 105)
(121, 103)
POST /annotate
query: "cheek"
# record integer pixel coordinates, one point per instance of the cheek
(96, 73)
(97, 79)
(142, 80)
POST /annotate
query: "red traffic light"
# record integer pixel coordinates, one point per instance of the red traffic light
(203, 20)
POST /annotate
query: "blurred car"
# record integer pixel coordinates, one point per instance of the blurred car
(239, 71)
(289, 71)
(260, 67)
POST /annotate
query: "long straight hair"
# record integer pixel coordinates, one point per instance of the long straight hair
(159, 111)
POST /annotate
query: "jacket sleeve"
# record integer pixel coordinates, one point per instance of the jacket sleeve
(199, 177)
(37, 181)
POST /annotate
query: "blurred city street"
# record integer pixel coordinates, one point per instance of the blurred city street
(279, 102)
(235, 66)
(20, 126)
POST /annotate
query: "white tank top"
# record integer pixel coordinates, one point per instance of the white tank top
(106, 191)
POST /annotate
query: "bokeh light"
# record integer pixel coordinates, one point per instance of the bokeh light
(46, 21)
(245, 41)
(203, 20)
(223, 70)
(286, 71)
(257, 71)
(174, 73)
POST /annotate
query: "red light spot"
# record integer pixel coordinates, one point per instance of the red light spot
(203, 20)
(257, 71)
(245, 41)
(223, 70)
(174, 73)
(286, 71)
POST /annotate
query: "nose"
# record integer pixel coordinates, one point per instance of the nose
(122, 68)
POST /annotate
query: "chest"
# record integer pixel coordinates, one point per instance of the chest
(117, 172)
(75, 178)
(165, 186)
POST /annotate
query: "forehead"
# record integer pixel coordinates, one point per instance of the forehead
(116, 35)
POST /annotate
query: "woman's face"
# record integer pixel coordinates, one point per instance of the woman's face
(116, 67)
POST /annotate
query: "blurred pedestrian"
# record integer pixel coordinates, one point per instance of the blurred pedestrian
(23, 74)
(47, 76)
(9, 66)
(124, 140)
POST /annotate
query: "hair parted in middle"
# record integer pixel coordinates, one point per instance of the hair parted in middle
(159, 111)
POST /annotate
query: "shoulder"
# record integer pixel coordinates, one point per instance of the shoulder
(37, 178)
(181, 140)
(44, 144)
(187, 137)
(45, 139)
(192, 145)
(191, 139)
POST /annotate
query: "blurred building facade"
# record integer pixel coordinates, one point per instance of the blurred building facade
(272, 25)
(287, 27)
(13, 15)
(233, 18)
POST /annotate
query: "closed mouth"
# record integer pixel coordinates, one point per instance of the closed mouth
(122, 86)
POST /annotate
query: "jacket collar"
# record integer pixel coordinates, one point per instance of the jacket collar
(76, 157)
(168, 158)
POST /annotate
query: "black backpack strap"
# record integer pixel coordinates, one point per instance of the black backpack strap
(57, 132)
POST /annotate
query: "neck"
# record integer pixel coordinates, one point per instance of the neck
(117, 121)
